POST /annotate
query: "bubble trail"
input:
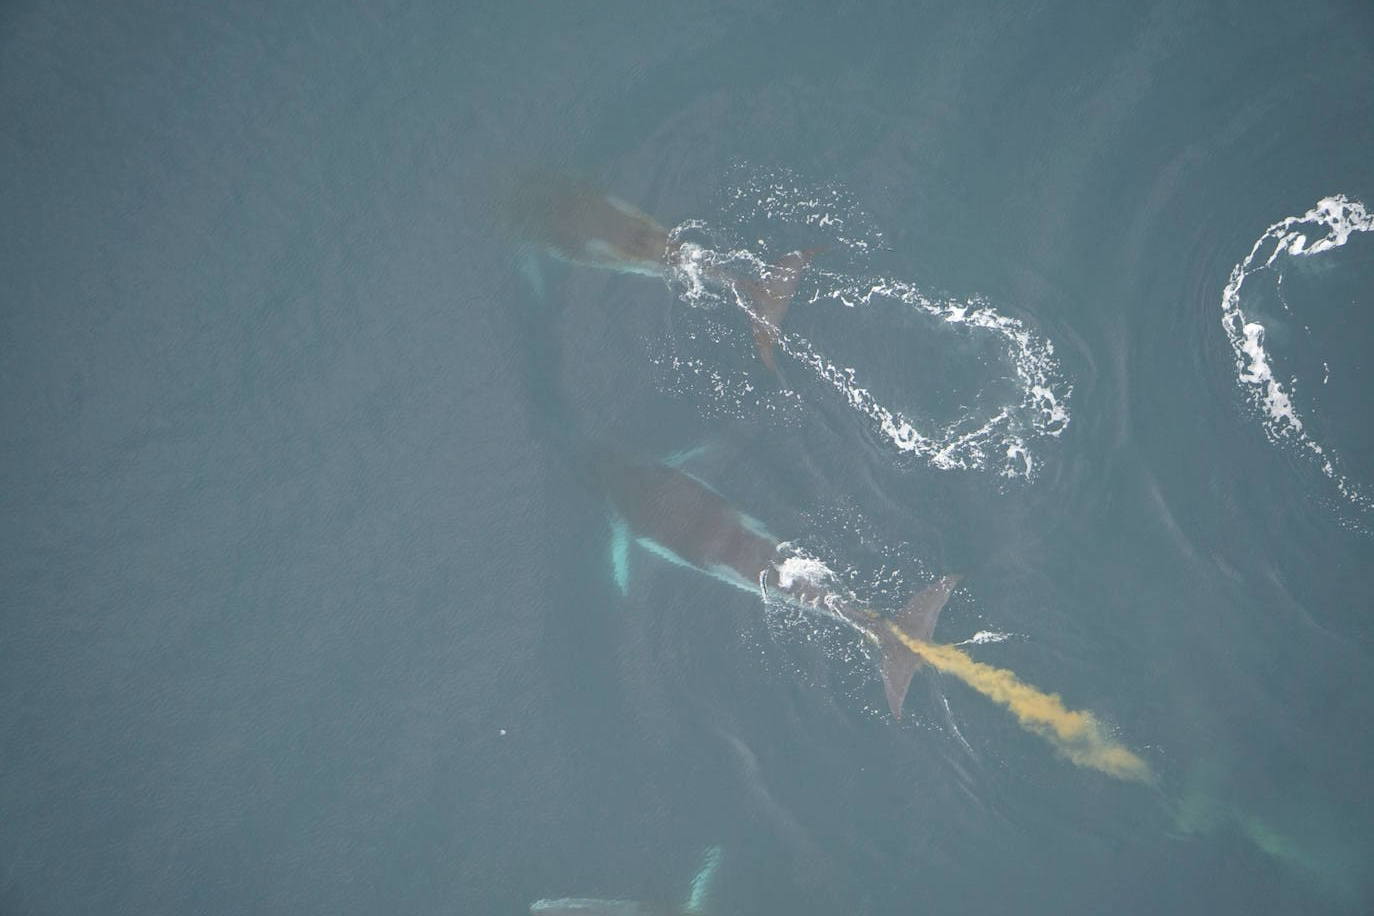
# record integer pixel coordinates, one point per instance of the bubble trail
(1328, 225)
(1075, 734)
(705, 276)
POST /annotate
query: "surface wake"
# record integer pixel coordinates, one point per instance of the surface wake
(714, 268)
(1326, 226)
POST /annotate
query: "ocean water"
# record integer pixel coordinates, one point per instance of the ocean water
(308, 605)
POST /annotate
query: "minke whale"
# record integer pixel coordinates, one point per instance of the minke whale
(694, 905)
(577, 223)
(672, 514)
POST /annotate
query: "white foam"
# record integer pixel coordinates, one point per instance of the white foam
(1328, 225)
(967, 443)
(801, 568)
(983, 637)
(782, 196)
(1000, 437)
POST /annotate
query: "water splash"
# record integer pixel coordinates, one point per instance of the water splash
(983, 637)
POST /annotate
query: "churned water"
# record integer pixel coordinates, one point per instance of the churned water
(314, 315)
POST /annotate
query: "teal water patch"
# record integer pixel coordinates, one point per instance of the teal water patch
(704, 882)
(620, 554)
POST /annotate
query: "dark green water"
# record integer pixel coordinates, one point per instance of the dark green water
(306, 599)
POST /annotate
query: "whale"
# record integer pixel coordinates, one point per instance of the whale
(576, 222)
(667, 512)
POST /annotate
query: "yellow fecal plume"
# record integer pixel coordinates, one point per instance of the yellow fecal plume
(1075, 734)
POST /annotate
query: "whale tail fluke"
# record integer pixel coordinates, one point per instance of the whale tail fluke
(897, 662)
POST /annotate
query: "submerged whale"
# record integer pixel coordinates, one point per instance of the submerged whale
(678, 517)
(577, 223)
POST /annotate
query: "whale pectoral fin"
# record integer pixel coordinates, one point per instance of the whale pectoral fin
(620, 554)
(703, 883)
(756, 526)
(688, 455)
(588, 906)
(532, 270)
